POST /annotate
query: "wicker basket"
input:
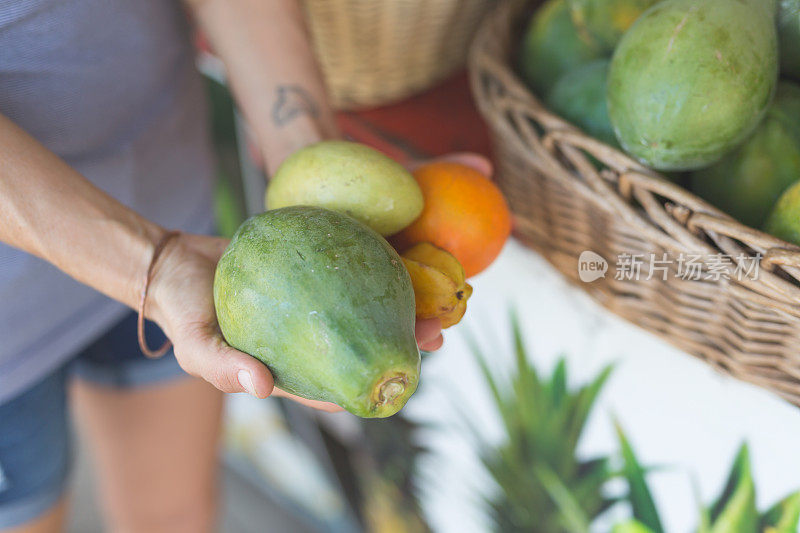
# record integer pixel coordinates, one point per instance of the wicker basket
(563, 206)
(374, 52)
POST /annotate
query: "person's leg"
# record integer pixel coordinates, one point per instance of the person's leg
(35, 458)
(51, 522)
(155, 451)
(152, 432)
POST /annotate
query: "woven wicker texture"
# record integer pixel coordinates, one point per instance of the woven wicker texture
(374, 52)
(562, 205)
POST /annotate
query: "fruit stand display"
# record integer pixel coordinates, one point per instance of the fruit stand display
(642, 101)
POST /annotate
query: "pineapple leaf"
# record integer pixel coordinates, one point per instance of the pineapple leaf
(784, 516)
(633, 526)
(705, 516)
(575, 519)
(584, 401)
(542, 485)
(558, 382)
(735, 510)
(641, 500)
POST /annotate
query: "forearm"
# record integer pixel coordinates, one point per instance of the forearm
(272, 71)
(51, 211)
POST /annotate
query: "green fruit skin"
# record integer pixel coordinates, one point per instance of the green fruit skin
(747, 182)
(325, 303)
(552, 45)
(350, 178)
(690, 80)
(580, 97)
(789, 38)
(607, 20)
(784, 220)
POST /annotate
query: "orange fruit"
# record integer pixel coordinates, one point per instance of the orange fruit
(465, 213)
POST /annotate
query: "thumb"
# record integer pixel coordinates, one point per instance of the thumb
(209, 357)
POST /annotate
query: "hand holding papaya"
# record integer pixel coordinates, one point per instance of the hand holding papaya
(180, 300)
(257, 297)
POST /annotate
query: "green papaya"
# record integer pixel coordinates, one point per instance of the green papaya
(691, 80)
(607, 20)
(351, 178)
(552, 45)
(747, 182)
(789, 38)
(326, 303)
(580, 97)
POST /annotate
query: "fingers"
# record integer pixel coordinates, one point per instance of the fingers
(208, 356)
(429, 334)
(433, 345)
(314, 404)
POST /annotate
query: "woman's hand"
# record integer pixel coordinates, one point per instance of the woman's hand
(180, 300)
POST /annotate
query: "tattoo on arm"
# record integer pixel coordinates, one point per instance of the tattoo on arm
(292, 101)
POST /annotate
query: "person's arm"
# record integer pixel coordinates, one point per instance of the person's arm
(272, 71)
(51, 211)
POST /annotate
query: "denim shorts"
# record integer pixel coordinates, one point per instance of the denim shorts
(35, 434)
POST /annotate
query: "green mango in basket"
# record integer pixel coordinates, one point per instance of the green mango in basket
(607, 20)
(324, 302)
(580, 97)
(784, 220)
(692, 79)
(789, 38)
(552, 45)
(747, 182)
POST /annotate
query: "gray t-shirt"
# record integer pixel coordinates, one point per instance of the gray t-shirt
(110, 86)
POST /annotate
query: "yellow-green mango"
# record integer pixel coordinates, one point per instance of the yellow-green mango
(350, 178)
(552, 45)
(784, 220)
(580, 97)
(691, 79)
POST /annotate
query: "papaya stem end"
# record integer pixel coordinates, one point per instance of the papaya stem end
(391, 389)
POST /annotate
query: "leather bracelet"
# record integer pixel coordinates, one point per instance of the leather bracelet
(162, 243)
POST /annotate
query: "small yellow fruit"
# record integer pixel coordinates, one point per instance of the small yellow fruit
(440, 287)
